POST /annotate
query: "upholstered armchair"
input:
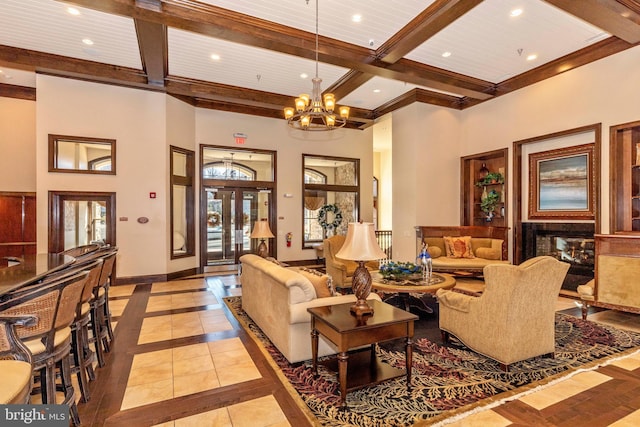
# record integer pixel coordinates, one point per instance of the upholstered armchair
(341, 270)
(514, 318)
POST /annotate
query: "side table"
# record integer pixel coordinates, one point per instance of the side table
(346, 331)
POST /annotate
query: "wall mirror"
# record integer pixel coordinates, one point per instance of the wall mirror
(74, 154)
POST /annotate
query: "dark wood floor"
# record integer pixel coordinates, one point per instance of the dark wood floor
(615, 397)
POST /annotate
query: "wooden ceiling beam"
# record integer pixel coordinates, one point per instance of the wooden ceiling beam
(436, 17)
(152, 42)
(65, 66)
(620, 18)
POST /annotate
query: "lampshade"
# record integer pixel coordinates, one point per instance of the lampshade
(261, 230)
(361, 243)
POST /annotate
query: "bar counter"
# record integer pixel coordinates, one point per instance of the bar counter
(33, 268)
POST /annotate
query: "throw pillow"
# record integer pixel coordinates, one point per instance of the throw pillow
(459, 247)
(321, 282)
(434, 251)
(488, 253)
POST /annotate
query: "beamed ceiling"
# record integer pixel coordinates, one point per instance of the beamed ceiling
(395, 55)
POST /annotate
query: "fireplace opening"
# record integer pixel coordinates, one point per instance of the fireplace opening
(569, 242)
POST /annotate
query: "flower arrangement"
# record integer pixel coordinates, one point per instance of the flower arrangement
(399, 270)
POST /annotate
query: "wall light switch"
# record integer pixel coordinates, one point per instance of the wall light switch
(124, 218)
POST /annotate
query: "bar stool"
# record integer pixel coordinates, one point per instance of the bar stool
(49, 341)
(100, 313)
(16, 363)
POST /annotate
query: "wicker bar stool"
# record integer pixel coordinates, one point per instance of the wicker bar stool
(83, 357)
(54, 304)
(16, 363)
(100, 313)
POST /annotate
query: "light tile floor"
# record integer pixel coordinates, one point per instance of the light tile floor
(162, 375)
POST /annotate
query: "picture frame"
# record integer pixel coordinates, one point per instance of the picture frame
(562, 183)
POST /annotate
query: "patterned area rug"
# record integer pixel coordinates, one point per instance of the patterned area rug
(446, 380)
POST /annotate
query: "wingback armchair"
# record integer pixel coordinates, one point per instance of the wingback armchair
(514, 318)
(341, 270)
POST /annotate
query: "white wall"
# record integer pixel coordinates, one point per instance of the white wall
(426, 162)
(606, 91)
(18, 145)
(136, 120)
(217, 128)
(181, 129)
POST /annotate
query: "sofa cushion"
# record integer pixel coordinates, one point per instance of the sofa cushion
(435, 242)
(458, 247)
(434, 251)
(321, 282)
(489, 253)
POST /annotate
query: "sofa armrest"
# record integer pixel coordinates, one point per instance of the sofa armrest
(298, 312)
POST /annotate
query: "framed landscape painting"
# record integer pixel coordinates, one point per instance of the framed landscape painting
(562, 184)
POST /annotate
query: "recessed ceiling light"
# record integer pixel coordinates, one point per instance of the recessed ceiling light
(215, 56)
(532, 57)
(304, 75)
(515, 12)
(446, 54)
(377, 91)
(356, 18)
(87, 41)
(73, 11)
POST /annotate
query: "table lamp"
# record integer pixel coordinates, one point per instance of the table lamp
(262, 231)
(361, 245)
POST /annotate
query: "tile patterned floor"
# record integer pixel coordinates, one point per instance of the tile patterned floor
(188, 348)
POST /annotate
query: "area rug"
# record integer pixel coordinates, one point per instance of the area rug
(446, 381)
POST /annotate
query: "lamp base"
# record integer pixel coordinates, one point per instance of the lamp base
(361, 285)
(263, 251)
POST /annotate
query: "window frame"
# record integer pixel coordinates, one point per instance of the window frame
(187, 182)
(335, 188)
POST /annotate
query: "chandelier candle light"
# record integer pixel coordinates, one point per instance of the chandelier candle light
(361, 245)
(262, 231)
(316, 113)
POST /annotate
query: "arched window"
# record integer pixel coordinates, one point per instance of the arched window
(229, 170)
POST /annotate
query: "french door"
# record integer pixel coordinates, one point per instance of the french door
(230, 215)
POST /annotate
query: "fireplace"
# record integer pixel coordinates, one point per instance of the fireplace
(569, 242)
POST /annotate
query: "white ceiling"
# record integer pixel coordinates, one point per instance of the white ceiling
(486, 43)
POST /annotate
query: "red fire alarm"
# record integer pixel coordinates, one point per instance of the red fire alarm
(152, 195)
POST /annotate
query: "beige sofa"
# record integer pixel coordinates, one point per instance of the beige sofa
(277, 298)
(488, 246)
(514, 319)
(484, 251)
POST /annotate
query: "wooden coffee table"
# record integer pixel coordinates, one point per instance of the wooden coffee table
(346, 331)
(404, 289)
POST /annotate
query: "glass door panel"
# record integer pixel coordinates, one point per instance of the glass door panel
(231, 215)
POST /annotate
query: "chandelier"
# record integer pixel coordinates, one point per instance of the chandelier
(316, 113)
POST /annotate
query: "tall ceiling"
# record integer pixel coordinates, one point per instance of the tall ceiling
(256, 56)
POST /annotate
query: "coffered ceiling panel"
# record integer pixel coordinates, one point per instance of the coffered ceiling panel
(244, 66)
(47, 26)
(380, 19)
(490, 44)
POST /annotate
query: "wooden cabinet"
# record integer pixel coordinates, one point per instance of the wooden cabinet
(472, 169)
(624, 170)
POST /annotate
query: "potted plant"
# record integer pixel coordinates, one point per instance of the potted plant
(491, 178)
(489, 203)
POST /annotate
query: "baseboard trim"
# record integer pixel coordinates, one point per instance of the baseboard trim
(151, 278)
